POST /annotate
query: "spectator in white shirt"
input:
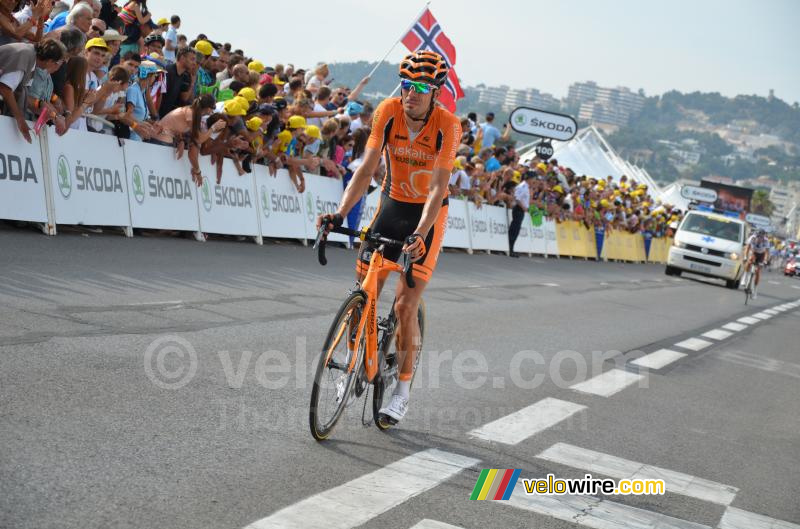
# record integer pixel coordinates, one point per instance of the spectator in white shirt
(316, 82)
(522, 197)
(459, 180)
(171, 38)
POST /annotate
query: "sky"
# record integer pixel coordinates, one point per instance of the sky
(731, 46)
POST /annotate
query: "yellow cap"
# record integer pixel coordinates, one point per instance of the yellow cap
(313, 131)
(248, 93)
(457, 164)
(204, 47)
(296, 122)
(284, 138)
(234, 108)
(541, 166)
(254, 123)
(558, 189)
(162, 21)
(605, 203)
(256, 66)
(96, 42)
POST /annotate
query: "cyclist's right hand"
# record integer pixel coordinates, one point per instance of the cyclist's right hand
(330, 221)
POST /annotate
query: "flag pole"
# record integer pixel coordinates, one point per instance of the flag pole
(400, 39)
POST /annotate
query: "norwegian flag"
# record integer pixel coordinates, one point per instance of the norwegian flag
(427, 34)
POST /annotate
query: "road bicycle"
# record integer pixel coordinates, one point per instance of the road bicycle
(750, 283)
(358, 351)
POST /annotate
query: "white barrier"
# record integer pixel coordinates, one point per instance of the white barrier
(89, 184)
(95, 181)
(322, 196)
(230, 206)
(22, 180)
(457, 234)
(280, 206)
(162, 194)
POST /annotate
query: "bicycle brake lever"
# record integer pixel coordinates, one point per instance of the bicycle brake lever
(408, 267)
(319, 245)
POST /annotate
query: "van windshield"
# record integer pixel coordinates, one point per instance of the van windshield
(719, 228)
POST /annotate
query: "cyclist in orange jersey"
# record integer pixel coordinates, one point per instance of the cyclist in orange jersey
(418, 140)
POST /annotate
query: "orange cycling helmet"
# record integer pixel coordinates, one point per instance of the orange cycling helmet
(425, 66)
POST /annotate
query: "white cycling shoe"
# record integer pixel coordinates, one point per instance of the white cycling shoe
(396, 409)
(755, 295)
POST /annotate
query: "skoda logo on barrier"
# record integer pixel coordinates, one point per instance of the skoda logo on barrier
(64, 176)
(206, 191)
(138, 184)
(265, 201)
(310, 207)
(535, 122)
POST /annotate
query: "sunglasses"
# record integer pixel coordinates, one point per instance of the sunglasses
(100, 31)
(417, 86)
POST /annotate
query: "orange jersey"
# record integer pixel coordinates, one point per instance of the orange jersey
(410, 164)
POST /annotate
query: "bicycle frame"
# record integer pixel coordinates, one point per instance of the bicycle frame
(368, 323)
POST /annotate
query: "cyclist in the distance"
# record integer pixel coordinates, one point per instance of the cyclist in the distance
(757, 250)
(418, 140)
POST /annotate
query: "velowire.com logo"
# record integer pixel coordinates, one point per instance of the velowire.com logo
(138, 184)
(64, 176)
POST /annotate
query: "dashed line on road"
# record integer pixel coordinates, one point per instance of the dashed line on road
(358, 501)
(550, 284)
(608, 383)
(619, 468)
(735, 327)
(693, 344)
(734, 518)
(434, 524)
(518, 426)
(593, 512)
(717, 334)
(762, 316)
(658, 359)
(771, 282)
(771, 312)
(749, 320)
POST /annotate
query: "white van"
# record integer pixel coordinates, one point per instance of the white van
(709, 244)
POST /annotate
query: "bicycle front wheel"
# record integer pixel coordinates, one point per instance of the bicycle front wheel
(337, 371)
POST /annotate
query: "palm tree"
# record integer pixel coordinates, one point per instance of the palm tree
(761, 204)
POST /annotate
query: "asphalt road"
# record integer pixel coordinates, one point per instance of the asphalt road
(96, 431)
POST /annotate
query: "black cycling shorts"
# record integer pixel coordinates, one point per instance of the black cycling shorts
(397, 220)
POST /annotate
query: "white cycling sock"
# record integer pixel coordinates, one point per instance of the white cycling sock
(402, 389)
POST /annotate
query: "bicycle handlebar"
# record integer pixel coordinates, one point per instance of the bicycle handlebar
(374, 238)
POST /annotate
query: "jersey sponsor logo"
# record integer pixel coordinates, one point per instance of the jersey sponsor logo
(409, 153)
(399, 137)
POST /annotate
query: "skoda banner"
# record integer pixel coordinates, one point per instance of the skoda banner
(21, 179)
(230, 206)
(162, 194)
(281, 207)
(479, 226)
(456, 235)
(497, 228)
(524, 242)
(535, 122)
(321, 196)
(88, 179)
(699, 194)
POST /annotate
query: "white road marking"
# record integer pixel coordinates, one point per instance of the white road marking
(608, 383)
(771, 282)
(735, 327)
(734, 518)
(434, 524)
(762, 316)
(155, 303)
(550, 284)
(771, 312)
(748, 320)
(761, 362)
(358, 501)
(717, 334)
(521, 424)
(589, 511)
(658, 359)
(619, 468)
(693, 344)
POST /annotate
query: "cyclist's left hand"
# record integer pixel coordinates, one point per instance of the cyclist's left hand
(417, 248)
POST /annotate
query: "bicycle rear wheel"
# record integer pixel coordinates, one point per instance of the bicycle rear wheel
(334, 379)
(387, 377)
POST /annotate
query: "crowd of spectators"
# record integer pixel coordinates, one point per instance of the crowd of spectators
(110, 68)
